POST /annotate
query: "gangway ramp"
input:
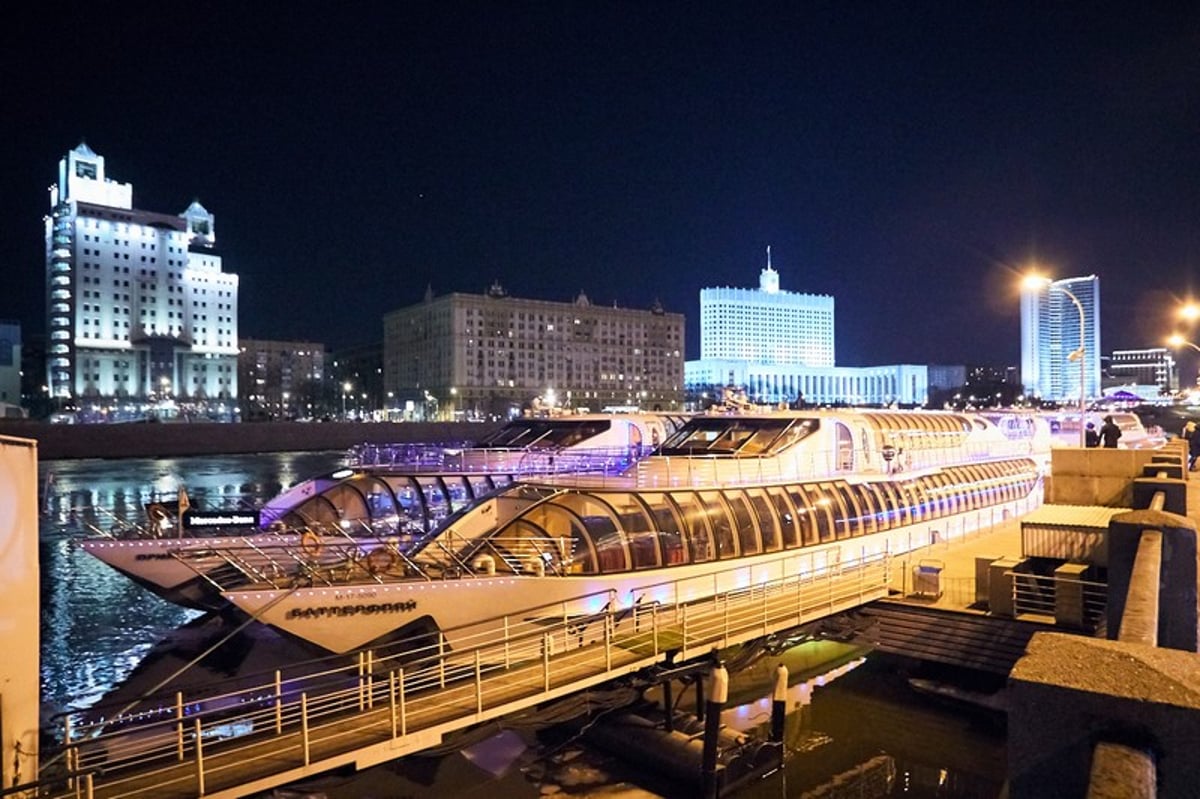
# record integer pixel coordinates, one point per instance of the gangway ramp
(384, 707)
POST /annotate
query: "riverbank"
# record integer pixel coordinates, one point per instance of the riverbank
(155, 440)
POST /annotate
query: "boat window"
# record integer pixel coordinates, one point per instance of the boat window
(978, 487)
(351, 504)
(458, 491)
(952, 490)
(742, 524)
(787, 517)
(767, 525)
(317, 511)
(822, 511)
(868, 507)
(911, 503)
(837, 508)
(437, 505)
(854, 511)
(722, 526)
(666, 521)
(845, 447)
(410, 505)
(933, 492)
(695, 520)
(544, 433)
(725, 436)
(517, 548)
(796, 432)
(381, 504)
(482, 485)
(567, 536)
(635, 523)
(806, 516)
(891, 508)
(603, 528)
(574, 433)
(643, 549)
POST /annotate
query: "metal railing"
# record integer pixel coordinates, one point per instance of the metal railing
(405, 698)
(1041, 595)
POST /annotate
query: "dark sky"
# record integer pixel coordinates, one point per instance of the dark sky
(907, 158)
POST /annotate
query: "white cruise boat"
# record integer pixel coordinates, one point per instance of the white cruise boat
(729, 500)
(388, 493)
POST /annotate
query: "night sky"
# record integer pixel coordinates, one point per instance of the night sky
(909, 159)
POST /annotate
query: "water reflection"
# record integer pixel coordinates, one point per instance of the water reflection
(96, 625)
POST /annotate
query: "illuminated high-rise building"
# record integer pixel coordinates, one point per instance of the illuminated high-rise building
(138, 307)
(779, 347)
(766, 325)
(1060, 324)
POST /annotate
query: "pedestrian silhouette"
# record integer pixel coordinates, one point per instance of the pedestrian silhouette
(1109, 433)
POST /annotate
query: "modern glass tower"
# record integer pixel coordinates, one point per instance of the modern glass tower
(1060, 325)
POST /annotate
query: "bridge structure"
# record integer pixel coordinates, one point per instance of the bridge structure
(391, 702)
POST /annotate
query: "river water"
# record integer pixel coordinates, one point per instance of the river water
(860, 732)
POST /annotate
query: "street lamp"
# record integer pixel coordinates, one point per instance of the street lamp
(346, 387)
(1178, 341)
(1033, 281)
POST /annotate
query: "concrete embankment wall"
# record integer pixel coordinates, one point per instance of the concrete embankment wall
(205, 438)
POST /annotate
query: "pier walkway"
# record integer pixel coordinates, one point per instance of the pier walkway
(390, 705)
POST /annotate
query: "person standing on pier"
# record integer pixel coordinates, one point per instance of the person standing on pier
(1109, 433)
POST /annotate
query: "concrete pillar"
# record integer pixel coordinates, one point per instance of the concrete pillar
(1173, 490)
(1000, 587)
(1179, 599)
(20, 639)
(983, 567)
(1070, 609)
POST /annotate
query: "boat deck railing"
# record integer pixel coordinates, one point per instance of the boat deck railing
(710, 470)
(439, 458)
(378, 704)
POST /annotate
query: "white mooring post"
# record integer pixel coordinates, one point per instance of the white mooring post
(717, 698)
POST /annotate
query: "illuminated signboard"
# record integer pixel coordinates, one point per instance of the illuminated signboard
(221, 518)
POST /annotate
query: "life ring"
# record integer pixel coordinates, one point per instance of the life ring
(310, 544)
(380, 559)
(157, 513)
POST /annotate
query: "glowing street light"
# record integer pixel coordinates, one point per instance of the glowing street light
(346, 389)
(1178, 341)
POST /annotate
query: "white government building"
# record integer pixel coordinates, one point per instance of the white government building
(779, 346)
(138, 308)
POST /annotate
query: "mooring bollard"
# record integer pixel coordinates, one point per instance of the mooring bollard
(779, 704)
(718, 695)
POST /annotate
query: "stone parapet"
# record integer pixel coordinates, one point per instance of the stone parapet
(1095, 476)
(1069, 692)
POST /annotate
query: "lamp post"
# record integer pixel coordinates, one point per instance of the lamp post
(1034, 281)
(346, 387)
(1178, 341)
(1079, 353)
